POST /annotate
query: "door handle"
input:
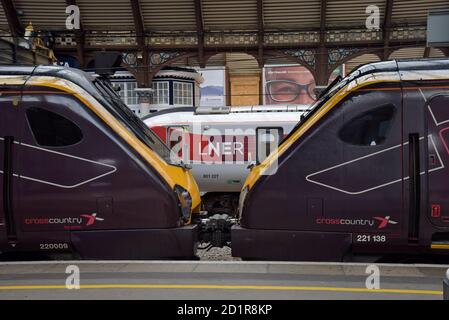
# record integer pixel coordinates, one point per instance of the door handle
(432, 159)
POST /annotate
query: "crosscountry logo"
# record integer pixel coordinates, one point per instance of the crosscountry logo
(91, 218)
(384, 221)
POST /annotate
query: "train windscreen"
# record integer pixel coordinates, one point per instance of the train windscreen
(135, 124)
(333, 88)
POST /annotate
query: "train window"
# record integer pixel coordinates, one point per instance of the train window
(51, 129)
(370, 128)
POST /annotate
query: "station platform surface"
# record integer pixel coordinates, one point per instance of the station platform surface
(203, 280)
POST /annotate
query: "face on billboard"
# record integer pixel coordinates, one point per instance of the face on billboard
(289, 84)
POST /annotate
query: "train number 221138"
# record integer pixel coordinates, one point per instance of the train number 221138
(371, 238)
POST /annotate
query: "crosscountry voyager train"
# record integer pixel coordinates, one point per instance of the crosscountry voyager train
(366, 173)
(81, 174)
(362, 176)
(221, 143)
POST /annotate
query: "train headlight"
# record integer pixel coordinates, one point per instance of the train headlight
(242, 200)
(185, 202)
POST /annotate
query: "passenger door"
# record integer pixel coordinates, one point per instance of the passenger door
(344, 174)
(354, 164)
(2, 195)
(437, 118)
(65, 176)
(8, 160)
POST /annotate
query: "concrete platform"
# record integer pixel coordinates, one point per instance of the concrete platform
(202, 280)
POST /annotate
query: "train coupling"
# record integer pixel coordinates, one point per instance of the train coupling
(215, 230)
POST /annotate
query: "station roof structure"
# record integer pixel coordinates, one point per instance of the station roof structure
(319, 34)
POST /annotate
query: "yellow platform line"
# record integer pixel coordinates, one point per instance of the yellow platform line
(224, 287)
(439, 246)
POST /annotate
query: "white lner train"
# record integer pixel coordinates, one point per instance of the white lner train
(221, 143)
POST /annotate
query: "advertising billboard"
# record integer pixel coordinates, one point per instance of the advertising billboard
(213, 88)
(288, 85)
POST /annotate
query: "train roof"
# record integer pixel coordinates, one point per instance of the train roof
(77, 76)
(427, 64)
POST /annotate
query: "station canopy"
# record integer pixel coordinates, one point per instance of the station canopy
(320, 34)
